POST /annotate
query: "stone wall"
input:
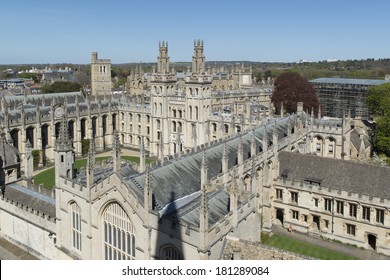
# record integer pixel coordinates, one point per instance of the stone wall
(244, 250)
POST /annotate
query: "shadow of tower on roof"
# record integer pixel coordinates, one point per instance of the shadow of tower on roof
(169, 240)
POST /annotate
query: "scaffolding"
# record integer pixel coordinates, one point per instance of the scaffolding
(337, 96)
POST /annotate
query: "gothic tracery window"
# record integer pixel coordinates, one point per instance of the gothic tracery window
(119, 238)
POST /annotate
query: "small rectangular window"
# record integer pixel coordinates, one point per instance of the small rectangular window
(326, 223)
(316, 202)
(328, 204)
(380, 216)
(295, 214)
(279, 194)
(340, 207)
(366, 213)
(351, 229)
(352, 210)
(294, 197)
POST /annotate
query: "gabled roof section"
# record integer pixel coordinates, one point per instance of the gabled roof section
(337, 174)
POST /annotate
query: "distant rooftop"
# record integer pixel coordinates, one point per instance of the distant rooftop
(366, 82)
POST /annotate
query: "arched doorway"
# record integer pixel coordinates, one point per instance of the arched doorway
(45, 135)
(83, 126)
(30, 131)
(15, 135)
(371, 239)
(71, 129)
(280, 215)
(316, 222)
(94, 126)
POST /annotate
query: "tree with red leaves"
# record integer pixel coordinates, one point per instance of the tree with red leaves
(291, 88)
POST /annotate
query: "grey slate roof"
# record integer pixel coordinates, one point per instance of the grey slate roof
(44, 101)
(102, 172)
(30, 198)
(342, 175)
(181, 177)
(37, 98)
(218, 202)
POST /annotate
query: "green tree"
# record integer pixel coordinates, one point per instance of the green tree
(378, 102)
(291, 88)
(36, 157)
(30, 76)
(57, 87)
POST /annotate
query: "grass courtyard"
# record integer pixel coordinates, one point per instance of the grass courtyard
(47, 177)
(299, 247)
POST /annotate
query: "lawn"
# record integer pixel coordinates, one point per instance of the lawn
(47, 177)
(288, 244)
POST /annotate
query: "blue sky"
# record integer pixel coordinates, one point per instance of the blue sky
(44, 31)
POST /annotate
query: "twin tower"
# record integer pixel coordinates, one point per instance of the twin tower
(101, 68)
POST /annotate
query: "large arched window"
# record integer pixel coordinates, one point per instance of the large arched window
(76, 226)
(119, 239)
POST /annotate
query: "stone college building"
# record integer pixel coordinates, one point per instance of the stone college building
(226, 168)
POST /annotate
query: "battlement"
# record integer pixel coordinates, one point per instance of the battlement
(95, 59)
(34, 200)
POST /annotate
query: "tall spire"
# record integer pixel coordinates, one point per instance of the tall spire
(91, 154)
(265, 142)
(203, 222)
(148, 195)
(29, 168)
(64, 157)
(253, 144)
(240, 152)
(282, 110)
(161, 147)
(178, 142)
(312, 117)
(275, 139)
(319, 111)
(63, 141)
(225, 158)
(234, 198)
(90, 163)
(203, 170)
(116, 152)
(142, 162)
